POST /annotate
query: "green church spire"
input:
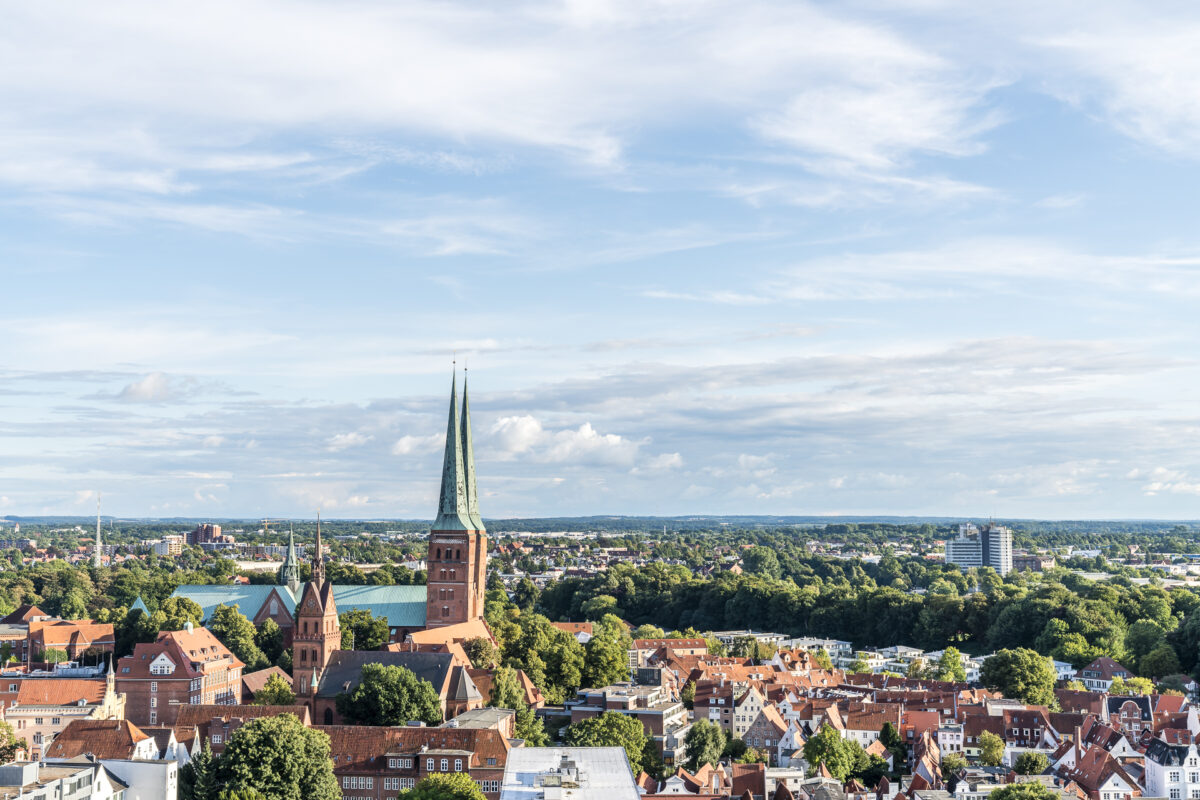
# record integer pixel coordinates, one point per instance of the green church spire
(452, 505)
(472, 494)
(289, 573)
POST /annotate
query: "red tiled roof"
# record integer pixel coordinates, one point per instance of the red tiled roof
(108, 738)
(60, 691)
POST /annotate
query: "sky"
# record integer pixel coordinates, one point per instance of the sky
(703, 257)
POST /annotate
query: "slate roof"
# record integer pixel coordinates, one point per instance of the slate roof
(344, 671)
(1167, 755)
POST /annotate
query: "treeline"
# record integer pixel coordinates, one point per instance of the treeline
(904, 601)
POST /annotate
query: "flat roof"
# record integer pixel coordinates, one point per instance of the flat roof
(603, 773)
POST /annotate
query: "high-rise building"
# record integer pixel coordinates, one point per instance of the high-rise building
(990, 546)
(457, 562)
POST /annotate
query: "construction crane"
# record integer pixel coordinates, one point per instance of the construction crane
(266, 523)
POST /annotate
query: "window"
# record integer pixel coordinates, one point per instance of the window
(1172, 776)
(391, 783)
(491, 762)
(153, 717)
(216, 738)
(489, 786)
(154, 686)
(408, 783)
(1176, 794)
(458, 765)
(429, 765)
(38, 721)
(445, 765)
(56, 720)
(37, 738)
(12, 687)
(154, 702)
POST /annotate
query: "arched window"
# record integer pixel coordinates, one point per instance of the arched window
(329, 716)
(439, 552)
(451, 574)
(445, 611)
(443, 574)
(458, 555)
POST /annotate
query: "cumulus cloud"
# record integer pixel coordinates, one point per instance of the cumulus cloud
(344, 441)
(408, 444)
(525, 435)
(154, 388)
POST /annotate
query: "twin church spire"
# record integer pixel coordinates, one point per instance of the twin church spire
(458, 505)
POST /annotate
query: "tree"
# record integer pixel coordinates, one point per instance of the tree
(1022, 674)
(363, 631)
(610, 730)
(648, 632)
(953, 764)
(599, 607)
(529, 726)
(236, 632)
(1031, 763)
(269, 638)
(241, 793)
(821, 657)
(482, 652)
(9, 743)
(704, 744)
(507, 691)
(858, 666)
(890, 738)
(280, 758)
(991, 749)
(54, 655)
(525, 595)
(687, 695)
(1131, 686)
(179, 611)
(842, 757)
(275, 692)
(762, 561)
(606, 655)
(390, 695)
(198, 777)
(446, 786)
(1159, 662)
(1029, 790)
(950, 667)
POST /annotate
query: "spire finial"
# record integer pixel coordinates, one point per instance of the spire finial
(318, 560)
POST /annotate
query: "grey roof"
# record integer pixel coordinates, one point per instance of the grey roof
(344, 671)
(1167, 755)
(463, 688)
(1142, 702)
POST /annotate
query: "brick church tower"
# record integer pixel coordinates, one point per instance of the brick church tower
(457, 561)
(317, 633)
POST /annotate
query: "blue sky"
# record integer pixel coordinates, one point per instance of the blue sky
(703, 257)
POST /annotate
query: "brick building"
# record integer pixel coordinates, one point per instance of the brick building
(215, 724)
(179, 668)
(379, 763)
(43, 707)
(80, 639)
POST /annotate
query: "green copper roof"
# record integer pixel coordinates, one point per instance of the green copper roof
(138, 605)
(472, 495)
(452, 504)
(289, 573)
(402, 606)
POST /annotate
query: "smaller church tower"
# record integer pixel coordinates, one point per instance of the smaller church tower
(289, 573)
(317, 634)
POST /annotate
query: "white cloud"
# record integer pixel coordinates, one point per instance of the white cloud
(344, 441)
(515, 435)
(521, 435)
(154, 388)
(408, 444)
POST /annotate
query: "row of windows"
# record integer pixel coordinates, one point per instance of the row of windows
(458, 765)
(358, 782)
(399, 783)
(456, 554)
(400, 763)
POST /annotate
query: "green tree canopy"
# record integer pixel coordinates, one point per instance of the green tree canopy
(950, 667)
(447, 786)
(280, 758)
(237, 633)
(390, 695)
(991, 749)
(1030, 790)
(1022, 674)
(606, 655)
(610, 730)
(363, 631)
(704, 744)
(275, 692)
(1031, 763)
(506, 689)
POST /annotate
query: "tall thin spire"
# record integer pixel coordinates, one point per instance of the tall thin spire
(96, 561)
(468, 458)
(318, 560)
(452, 504)
(289, 573)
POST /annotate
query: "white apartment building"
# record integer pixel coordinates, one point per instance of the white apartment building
(1172, 770)
(990, 546)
